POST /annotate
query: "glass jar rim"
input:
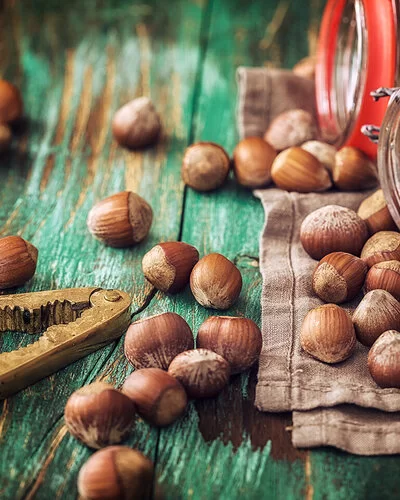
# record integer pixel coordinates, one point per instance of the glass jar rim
(381, 54)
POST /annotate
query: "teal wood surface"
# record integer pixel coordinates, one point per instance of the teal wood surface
(76, 63)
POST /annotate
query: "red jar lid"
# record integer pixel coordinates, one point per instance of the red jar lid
(379, 46)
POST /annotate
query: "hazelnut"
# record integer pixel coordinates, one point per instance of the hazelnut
(327, 334)
(384, 276)
(11, 107)
(155, 341)
(297, 170)
(377, 312)
(216, 282)
(205, 166)
(324, 152)
(376, 213)
(18, 260)
(99, 415)
(121, 220)
(306, 67)
(384, 359)
(384, 245)
(5, 137)
(137, 124)
(333, 229)
(353, 170)
(167, 266)
(252, 160)
(159, 398)
(339, 277)
(238, 340)
(291, 128)
(114, 473)
(203, 373)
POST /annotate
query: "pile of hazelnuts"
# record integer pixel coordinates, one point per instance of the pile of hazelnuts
(355, 251)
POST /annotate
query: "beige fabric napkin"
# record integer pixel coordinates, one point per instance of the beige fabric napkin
(322, 397)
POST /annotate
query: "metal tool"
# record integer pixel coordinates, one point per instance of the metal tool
(74, 322)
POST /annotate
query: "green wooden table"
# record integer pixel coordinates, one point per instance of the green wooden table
(76, 63)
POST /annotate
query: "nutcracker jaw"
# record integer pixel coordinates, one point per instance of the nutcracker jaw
(76, 322)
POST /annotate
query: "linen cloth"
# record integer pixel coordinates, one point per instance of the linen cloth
(337, 405)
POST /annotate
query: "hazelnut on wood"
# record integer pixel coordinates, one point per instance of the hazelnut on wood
(306, 67)
(339, 277)
(384, 359)
(121, 220)
(99, 415)
(384, 276)
(114, 473)
(216, 282)
(11, 107)
(353, 170)
(291, 128)
(203, 373)
(205, 166)
(333, 229)
(18, 260)
(159, 398)
(155, 341)
(324, 152)
(328, 334)
(5, 137)
(377, 312)
(167, 266)
(297, 170)
(236, 339)
(252, 161)
(382, 246)
(376, 214)
(137, 124)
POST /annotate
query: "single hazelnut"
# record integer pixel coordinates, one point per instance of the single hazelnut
(382, 246)
(297, 170)
(11, 107)
(159, 398)
(216, 282)
(306, 67)
(333, 229)
(203, 373)
(155, 341)
(374, 211)
(339, 277)
(167, 266)
(99, 415)
(324, 152)
(137, 124)
(384, 359)
(377, 312)
(291, 128)
(252, 160)
(205, 166)
(121, 220)
(114, 473)
(18, 260)
(5, 137)
(328, 334)
(238, 340)
(384, 276)
(353, 170)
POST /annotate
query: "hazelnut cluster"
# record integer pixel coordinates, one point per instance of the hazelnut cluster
(355, 251)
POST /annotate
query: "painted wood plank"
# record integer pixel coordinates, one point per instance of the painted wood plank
(76, 64)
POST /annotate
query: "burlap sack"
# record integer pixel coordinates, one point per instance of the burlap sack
(288, 379)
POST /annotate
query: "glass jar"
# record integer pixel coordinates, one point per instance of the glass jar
(358, 52)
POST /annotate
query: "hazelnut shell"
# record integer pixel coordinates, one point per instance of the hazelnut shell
(324, 152)
(159, 398)
(154, 342)
(384, 359)
(353, 170)
(374, 211)
(291, 128)
(18, 260)
(236, 339)
(11, 107)
(167, 266)
(384, 276)
(382, 246)
(252, 161)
